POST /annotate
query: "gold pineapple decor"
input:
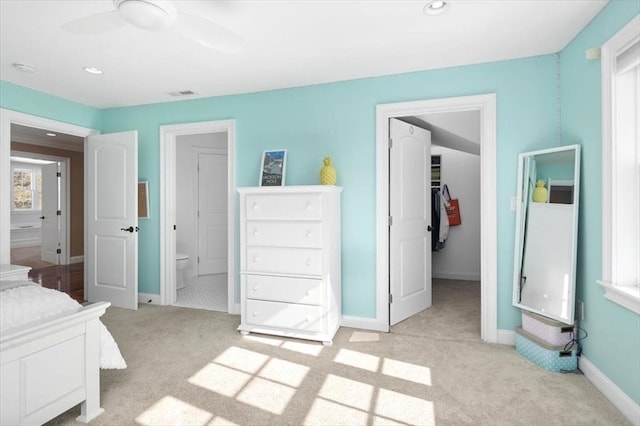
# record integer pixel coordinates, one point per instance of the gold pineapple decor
(540, 192)
(327, 172)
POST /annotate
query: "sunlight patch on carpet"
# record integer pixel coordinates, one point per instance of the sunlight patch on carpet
(357, 359)
(325, 412)
(407, 371)
(364, 336)
(267, 395)
(404, 408)
(285, 372)
(241, 359)
(220, 379)
(173, 411)
(347, 392)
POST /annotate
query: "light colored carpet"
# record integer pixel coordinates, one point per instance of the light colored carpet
(204, 292)
(191, 367)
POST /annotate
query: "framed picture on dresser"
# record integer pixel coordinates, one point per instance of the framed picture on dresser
(273, 167)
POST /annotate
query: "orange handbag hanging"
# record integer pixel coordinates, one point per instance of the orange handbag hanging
(453, 210)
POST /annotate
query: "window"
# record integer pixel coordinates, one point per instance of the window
(621, 167)
(26, 189)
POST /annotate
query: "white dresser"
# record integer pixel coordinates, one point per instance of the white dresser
(290, 261)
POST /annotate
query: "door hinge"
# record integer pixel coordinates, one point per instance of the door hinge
(59, 174)
(390, 221)
(59, 251)
(59, 212)
(174, 227)
(198, 259)
(390, 143)
(390, 298)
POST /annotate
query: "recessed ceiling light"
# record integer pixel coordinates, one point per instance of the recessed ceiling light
(93, 70)
(435, 7)
(23, 67)
(51, 134)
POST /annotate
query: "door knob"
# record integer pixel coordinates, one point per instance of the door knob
(42, 217)
(429, 228)
(129, 229)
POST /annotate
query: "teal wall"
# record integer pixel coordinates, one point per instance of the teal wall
(19, 99)
(339, 120)
(613, 344)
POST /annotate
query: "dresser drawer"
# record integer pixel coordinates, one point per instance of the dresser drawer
(283, 289)
(284, 260)
(284, 315)
(284, 234)
(283, 206)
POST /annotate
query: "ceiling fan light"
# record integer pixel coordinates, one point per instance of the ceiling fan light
(147, 14)
(435, 7)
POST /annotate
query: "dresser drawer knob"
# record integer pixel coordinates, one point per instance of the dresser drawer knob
(308, 205)
(309, 293)
(255, 314)
(307, 319)
(255, 206)
(256, 259)
(308, 262)
(308, 234)
(255, 233)
(256, 288)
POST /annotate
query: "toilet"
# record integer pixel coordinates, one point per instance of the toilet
(182, 261)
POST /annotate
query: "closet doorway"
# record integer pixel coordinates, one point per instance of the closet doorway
(485, 106)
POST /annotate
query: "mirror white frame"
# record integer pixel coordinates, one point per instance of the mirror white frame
(544, 269)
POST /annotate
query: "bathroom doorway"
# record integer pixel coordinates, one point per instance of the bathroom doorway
(201, 221)
(197, 191)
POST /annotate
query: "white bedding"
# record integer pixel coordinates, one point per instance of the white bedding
(24, 302)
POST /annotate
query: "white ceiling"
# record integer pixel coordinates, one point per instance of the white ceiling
(286, 44)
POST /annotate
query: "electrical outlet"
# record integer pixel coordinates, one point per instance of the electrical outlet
(580, 309)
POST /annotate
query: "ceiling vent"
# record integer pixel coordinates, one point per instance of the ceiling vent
(183, 93)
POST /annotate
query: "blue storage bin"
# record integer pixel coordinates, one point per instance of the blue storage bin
(549, 357)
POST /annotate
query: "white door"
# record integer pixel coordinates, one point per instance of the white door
(212, 213)
(111, 253)
(410, 213)
(50, 228)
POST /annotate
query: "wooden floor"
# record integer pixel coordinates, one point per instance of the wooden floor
(65, 278)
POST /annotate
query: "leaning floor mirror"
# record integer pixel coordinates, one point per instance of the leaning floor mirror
(544, 277)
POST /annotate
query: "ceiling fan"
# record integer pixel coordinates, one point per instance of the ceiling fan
(155, 15)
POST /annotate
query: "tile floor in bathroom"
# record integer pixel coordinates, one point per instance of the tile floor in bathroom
(204, 292)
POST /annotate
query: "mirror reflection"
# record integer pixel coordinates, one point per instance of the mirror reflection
(546, 232)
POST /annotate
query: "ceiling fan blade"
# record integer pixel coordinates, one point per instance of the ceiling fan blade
(95, 24)
(207, 33)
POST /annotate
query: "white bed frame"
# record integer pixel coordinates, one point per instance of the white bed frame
(50, 366)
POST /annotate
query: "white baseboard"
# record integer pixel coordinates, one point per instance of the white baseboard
(236, 309)
(506, 337)
(26, 242)
(149, 298)
(76, 259)
(452, 275)
(619, 399)
(364, 323)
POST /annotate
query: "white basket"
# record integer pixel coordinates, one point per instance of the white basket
(550, 331)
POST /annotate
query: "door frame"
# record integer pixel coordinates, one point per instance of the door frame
(8, 117)
(65, 191)
(168, 136)
(486, 105)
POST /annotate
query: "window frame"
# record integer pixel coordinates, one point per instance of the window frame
(35, 189)
(624, 294)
